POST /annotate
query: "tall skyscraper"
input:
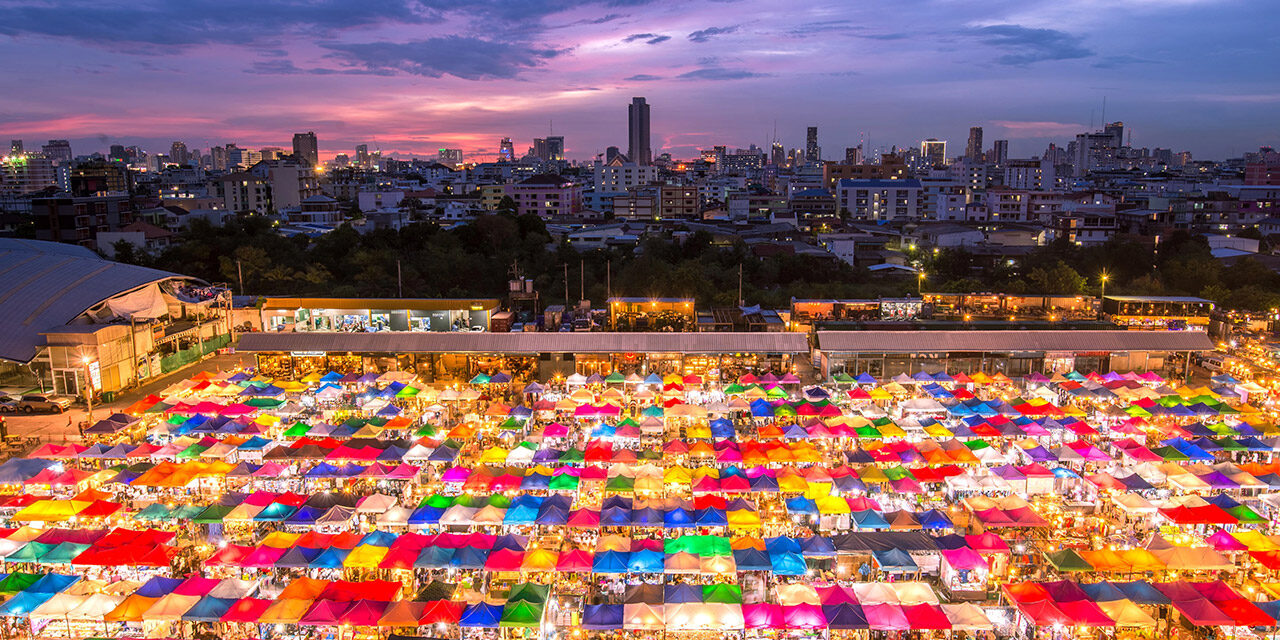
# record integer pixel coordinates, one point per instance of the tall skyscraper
(999, 152)
(306, 147)
(973, 150)
(853, 155)
(178, 153)
(58, 150)
(812, 152)
(638, 150)
(555, 148)
(1116, 131)
(777, 154)
(541, 150)
(362, 155)
(506, 151)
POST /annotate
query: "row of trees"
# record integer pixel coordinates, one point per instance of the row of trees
(477, 259)
(1180, 265)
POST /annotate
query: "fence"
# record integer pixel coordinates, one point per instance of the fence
(184, 357)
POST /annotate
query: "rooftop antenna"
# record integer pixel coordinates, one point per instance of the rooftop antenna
(1104, 109)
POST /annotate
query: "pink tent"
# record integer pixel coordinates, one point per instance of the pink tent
(806, 616)
(886, 617)
(762, 616)
(964, 558)
(576, 560)
(927, 616)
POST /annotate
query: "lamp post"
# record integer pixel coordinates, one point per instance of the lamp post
(920, 284)
(88, 388)
(1103, 295)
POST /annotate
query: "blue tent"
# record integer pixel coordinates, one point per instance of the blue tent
(304, 516)
(760, 408)
(378, 539)
(864, 378)
(801, 505)
(209, 609)
(330, 558)
(1102, 591)
(602, 617)
(868, 519)
(481, 615)
(443, 454)
(935, 519)
(788, 564)
(510, 542)
(781, 544)
(469, 558)
(21, 605)
(646, 561)
(845, 616)
(1141, 592)
(751, 559)
(552, 514)
(763, 484)
(521, 513)
(610, 562)
(817, 546)
(615, 516)
(434, 558)
(158, 587)
(710, 517)
(647, 517)
(298, 557)
(894, 560)
(678, 518)
(682, 593)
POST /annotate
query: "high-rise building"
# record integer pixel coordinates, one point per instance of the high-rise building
(117, 153)
(999, 152)
(1116, 131)
(178, 153)
(59, 151)
(638, 150)
(973, 150)
(777, 154)
(555, 148)
(506, 151)
(449, 157)
(362, 155)
(306, 148)
(610, 153)
(812, 152)
(540, 149)
(853, 155)
(934, 151)
(15, 148)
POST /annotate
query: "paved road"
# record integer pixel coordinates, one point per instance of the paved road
(61, 427)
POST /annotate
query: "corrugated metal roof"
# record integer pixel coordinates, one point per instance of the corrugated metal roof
(48, 284)
(997, 341)
(540, 342)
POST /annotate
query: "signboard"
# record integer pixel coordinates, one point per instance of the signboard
(95, 375)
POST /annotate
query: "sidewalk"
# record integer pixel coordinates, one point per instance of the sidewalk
(61, 427)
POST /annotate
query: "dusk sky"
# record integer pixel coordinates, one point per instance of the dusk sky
(409, 76)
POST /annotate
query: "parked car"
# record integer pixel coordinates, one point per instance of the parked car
(32, 403)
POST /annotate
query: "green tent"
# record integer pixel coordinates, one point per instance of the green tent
(1245, 515)
(18, 581)
(521, 614)
(563, 482)
(734, 389)
(622, 484)
(784, 410)
(614, 378)
(298, 430)
(64, 553)
(29, 552)
(407, 392)
(265, 403)
(628, 422)
(1068, 560)
(898, 473)
(867, 431)
(186, 512)
(480, 379)
(438, 501)
(529, 592)
(192, 452)
(1228, 444)
(775, 393)
(722, 593)
(572, 454)
(498, 500)
(213, 513)
(703, 546)
(652, 412)
(157, 512)
(511, 424)
(1170, 454)
(176, 419)
(842, 378)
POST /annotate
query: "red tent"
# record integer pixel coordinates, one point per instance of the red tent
(246, 610)
(926, 616)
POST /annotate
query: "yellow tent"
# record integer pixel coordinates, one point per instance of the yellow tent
(540, 560)
(280, 539)
(1127, 614)
(284, 611)
(131, 610)
(365, 556)
(744, 518)
(830, 505)
(50, 511)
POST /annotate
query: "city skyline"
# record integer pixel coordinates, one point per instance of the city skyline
(410, 78)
